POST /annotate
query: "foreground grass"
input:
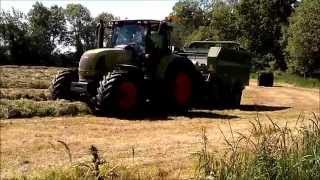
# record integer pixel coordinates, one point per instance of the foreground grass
(25, 108)
(269, 151)
(295, 80)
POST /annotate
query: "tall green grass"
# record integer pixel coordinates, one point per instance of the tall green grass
(268, 152)
(293, 79)
(297, 80)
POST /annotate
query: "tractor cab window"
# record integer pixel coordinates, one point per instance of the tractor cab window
(129, 34)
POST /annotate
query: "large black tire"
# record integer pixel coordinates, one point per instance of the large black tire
(119, 93)
(235, 100)
(222, 95)
(180, 85)
(218, 92)
(60, 85)
(265, 79)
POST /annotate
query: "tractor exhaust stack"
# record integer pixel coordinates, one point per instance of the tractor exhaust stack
(100, 34)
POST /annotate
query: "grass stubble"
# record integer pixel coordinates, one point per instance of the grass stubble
(268, 151)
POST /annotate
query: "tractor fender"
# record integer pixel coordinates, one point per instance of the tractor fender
(166, 62)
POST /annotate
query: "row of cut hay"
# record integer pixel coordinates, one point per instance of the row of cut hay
(24, 77)
(17, 93)
(24, 93)
(25, 108)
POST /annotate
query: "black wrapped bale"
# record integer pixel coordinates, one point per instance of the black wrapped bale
(265, 79)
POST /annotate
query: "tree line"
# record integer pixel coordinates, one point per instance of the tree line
(42, 36)
(280, 34)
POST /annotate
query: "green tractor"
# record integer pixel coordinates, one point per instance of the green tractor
(138, 69)
(135, 68)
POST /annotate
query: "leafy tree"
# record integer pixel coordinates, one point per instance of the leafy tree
(34, 38)
(217, 20)
(304, 38)
(223, 22)
(57, 22)
(189, 16)
(13, 36)
(106, 17)
(82, 34)
(261, 23)
(40, 28)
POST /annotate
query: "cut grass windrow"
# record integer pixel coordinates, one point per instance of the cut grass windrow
(25, 108)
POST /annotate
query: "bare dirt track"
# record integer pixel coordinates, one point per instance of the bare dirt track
(164, 141)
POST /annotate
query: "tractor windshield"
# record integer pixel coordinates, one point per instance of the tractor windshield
(129, 34)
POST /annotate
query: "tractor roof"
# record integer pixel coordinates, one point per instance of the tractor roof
(136, 21)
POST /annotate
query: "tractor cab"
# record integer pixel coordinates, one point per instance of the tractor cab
(144, 36)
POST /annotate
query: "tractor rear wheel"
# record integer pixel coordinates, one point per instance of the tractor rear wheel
(180, 83)
(119, 93)
(60, 85)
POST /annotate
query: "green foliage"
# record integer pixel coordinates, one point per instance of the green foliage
(41, 46)
(38, 37)
(57, 21)
(268, 152)
(261, 24)
(14, 36)
(82, 26)
(292, 79)
(258, 25)
(189, 18)
(223, 25)
(297, 80)
(304, 38)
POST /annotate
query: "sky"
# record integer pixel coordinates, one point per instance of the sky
(130, 9)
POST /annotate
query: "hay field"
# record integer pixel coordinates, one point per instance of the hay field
(31, 126)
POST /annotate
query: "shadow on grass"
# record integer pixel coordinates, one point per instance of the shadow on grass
(160, 116)
(262, 108)
(203, 112)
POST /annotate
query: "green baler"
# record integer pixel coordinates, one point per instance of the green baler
(225, 69)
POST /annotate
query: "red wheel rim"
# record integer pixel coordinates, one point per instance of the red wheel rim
(183, 88)
(128, 94)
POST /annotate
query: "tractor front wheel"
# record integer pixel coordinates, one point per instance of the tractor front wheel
(118, 93)
(60, 86)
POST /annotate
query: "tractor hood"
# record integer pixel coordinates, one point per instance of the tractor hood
(100, 61)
